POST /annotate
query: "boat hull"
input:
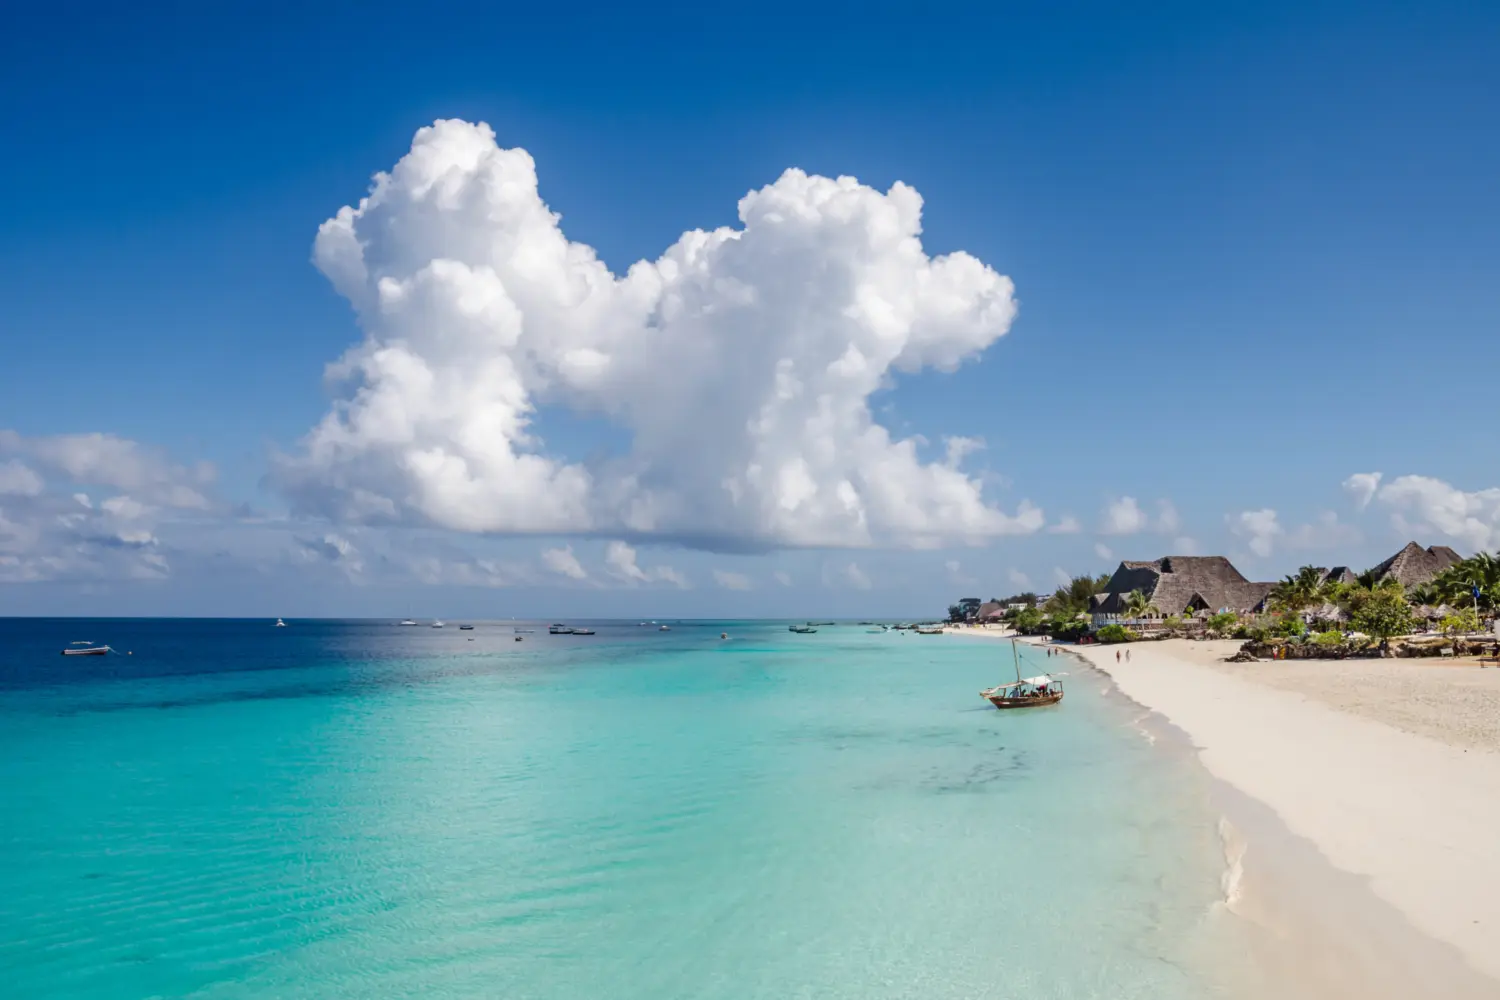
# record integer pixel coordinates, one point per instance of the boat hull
(1033, 702)
(86, 652)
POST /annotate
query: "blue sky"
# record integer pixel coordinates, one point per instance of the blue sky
(1253, 251)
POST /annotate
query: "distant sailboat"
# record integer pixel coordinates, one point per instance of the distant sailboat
(280, 623)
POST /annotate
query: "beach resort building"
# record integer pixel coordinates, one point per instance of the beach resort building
(1414, 565)
(1179, 585)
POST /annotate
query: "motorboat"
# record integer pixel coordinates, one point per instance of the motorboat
(85, 648)
(558, 628)
(801, 629)
(408, 622)
(524, 631)
(582, 631)
(664, 628)
(437, 624)
(466, 628)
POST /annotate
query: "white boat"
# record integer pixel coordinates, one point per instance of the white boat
(1024, 692)
(582, 631)
(280, 623)
(408, 622)
(558, 628)
(437, 624)
(84, 648)
(664, 628)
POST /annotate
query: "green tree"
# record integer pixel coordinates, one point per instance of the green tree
(1382, 612)
(1302, 589)
(1074, 596)
(1138, 605)
(1455, 585)
(1027, 621)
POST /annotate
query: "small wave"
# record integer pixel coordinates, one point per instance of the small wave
(1231, 882)
(1147, 734)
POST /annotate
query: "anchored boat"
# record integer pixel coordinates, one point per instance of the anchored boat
(1024, 692)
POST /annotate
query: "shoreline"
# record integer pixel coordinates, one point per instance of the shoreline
(1358, 811)
(1331, 807)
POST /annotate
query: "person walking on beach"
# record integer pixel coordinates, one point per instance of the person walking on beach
(1127, 656)
(1117, 656)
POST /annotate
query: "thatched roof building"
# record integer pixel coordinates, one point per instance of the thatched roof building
(1414, 565)
(1181, 585)
(1338, 574)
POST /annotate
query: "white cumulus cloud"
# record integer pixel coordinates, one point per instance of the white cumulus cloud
(1019, 579)
(620, 560)
(740, 362)
(1103, 551)
(1258, 528)
(18, 480)
(564, 563)
(1123, 517)
(1423, 504)
(104, 460)
(1362, 486)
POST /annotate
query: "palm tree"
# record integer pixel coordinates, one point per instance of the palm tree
(1138, 605)
(1302, 589)
(1456, 584)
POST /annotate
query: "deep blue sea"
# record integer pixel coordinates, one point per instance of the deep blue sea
(352, 809)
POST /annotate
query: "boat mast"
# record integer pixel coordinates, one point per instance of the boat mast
(1017, 657)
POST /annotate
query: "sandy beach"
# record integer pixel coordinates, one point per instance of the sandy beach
(1389, 769)
(1364, 796)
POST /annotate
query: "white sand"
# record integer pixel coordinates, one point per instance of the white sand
(1415, 810)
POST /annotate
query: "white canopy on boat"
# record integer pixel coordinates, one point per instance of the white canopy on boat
(1039, 680)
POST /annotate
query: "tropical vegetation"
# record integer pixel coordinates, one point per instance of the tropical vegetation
(1457, 585)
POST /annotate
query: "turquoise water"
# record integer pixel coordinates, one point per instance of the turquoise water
(356, 810)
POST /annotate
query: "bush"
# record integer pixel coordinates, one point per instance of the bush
(1329, 638)
(1224, 622)
(1070, 629)
(1465, 620)
(1287, 626)
(1115, 633)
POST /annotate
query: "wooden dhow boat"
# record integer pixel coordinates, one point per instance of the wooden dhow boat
(1024, 692)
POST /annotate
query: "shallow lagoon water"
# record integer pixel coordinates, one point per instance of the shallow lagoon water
(356, 809)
